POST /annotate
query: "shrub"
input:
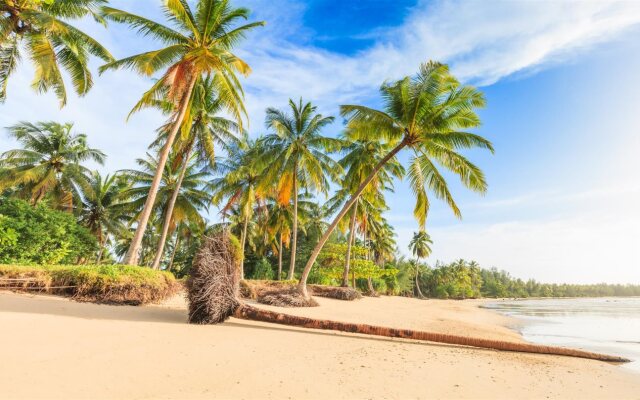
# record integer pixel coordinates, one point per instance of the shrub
(263, 270)
(113, 284)
(41, 235)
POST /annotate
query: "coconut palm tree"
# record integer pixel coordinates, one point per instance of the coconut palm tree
(237, 184)
(427, 114)
(208, 130)
(40, 28)
(297, 153)
(199, 43)
(360, 159)
(103, 208)
(192, 195)
(50, 162)
(420, 246)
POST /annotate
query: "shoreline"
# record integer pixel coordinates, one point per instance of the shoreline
(151, 352)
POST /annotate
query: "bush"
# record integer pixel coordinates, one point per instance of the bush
(263, 270)
(41, 235)
(113, 284)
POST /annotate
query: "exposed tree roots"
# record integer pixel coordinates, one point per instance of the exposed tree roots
(214, 296)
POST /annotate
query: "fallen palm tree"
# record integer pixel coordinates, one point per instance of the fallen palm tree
(213, 293)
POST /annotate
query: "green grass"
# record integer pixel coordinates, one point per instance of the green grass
(113, 284)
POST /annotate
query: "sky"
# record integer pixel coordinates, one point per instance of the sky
(563, 113)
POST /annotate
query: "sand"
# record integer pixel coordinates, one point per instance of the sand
(55, 348)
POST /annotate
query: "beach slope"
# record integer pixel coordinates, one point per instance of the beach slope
(59, 349)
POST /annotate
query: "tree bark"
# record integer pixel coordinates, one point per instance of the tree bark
(169, 214)
(280, 258)
(132, 255)
(302, 285)
(251, 313)
(175, 249)
(419, 292)
(243, 240)
(347, 261)
(294, 239)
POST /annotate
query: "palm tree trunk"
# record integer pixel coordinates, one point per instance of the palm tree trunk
(169, 214)
(132, 255)
(175, 248)
(243, 240)
(347, 261)
(280, 258)
(294, 239)
(251, 313)
(418, 281)
(302, 285)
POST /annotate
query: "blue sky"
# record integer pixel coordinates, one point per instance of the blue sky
(563, 96)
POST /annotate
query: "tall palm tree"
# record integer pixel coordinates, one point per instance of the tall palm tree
(420, 246)
(237, 185)
(192, 196)
(103, 208)
(427, 114)
(200, 43)
(50, 162)
(40, 28)
(208, 129)
(297, 153)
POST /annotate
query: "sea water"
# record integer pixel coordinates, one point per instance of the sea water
(607, 325)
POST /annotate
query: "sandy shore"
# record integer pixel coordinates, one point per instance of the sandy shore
(56, 348)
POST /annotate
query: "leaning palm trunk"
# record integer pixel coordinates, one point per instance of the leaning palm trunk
(169, 214)
(302, 285)
(134, 248)
(280, 258)
(213, 293)
(347, 261)
(243, 241)
(294, 239)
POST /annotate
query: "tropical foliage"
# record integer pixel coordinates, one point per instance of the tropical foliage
(41, 29)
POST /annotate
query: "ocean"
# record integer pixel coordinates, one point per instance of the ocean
(608, 325)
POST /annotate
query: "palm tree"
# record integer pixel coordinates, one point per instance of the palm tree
(192, 195)
(208, 129)
(420, 246)
(427, 114)
(49, 163)
(40, 28)
(360, 159)
(297, 154)
(237, 185)
(200, 43)
(103, 208)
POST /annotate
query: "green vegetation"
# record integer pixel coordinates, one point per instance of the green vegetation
(114, 284)
(464, 280)
(38, 234)
(41, 29)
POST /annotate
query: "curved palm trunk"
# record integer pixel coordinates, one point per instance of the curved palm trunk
(243, 240)
(169, 214)
(302, 285)
(280, 258)
(134, 249)
(419, 292)
(294, 239)
(247, 312)
(347, 262)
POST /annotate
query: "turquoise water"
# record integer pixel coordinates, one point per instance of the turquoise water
(608, 325)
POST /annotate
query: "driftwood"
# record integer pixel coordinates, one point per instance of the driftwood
(214, 297)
